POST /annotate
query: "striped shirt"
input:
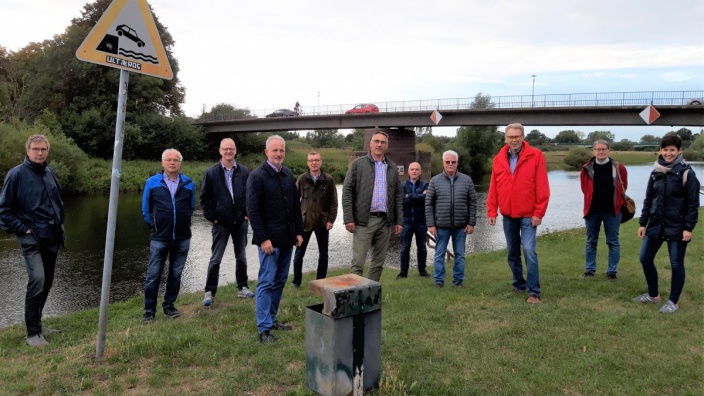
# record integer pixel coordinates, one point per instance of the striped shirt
(379, 195)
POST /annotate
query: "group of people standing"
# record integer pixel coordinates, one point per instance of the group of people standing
(284, 212)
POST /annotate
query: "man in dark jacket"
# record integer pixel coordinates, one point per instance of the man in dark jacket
(414, 191)
(372, 201)
(31, 208)
(274, 211)
(167, 205)
(223, 198)
(451, 213)
(319, 209)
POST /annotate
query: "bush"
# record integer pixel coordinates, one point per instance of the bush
(577, 157)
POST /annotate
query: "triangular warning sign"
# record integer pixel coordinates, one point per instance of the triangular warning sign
(649, 114)
(126, 38)
(436, 117)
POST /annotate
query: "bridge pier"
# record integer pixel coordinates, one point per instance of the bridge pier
(402, 150)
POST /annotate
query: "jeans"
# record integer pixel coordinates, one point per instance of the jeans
(376, 235)
(409, 230)
(676, 250)
(273, 273)
(612, 224)
(40, 263)
(322, 236)
(520, 233)
(238, 233)
(177, 252)
(458, 241)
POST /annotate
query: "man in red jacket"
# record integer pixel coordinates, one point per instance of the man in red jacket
(519, 190)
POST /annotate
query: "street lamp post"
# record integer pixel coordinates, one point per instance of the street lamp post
(318, 102)
(532, 94)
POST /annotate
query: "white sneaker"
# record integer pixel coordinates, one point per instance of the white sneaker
(37, 341)
(645, 298)
(245, 293)
(669, 307)
(208, 299)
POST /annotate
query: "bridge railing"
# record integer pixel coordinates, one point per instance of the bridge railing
(662, 98)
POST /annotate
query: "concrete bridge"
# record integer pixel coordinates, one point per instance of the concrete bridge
(622, 108)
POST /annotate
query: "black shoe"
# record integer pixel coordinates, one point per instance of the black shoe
(461, 284)
(296, 286)
(401, 276)
(612, 276)
(171, 312)
(439, 285)
(424, 274)
(281, 326)
(587, 275)
(266, 338)
(147, 318)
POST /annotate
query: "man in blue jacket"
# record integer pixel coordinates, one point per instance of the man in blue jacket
(414, 191)
(31, 208)
(167, 205)
(274, 212)
(223, 198)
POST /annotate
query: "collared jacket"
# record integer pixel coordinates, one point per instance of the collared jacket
(358, 189)
(414, 201)
(526, 192)
(168, 218)
(671, 205)
(215, 198)
(587, 180)
(273, 206)
(451, 205)
(31, 199)
(318, 201)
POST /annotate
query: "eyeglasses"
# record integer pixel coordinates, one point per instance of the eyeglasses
(39, 150)
(601, 149)
(313, 160)
(513, 137)
(227, 148)
(172, 160)
(382, 142)
(450, 162)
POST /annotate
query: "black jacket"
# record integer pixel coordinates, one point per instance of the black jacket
(215, 198)
(414, 202)
(670, 205)
(31, 199)
(273, 206)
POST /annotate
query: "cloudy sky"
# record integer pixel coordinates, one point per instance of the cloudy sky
(269, 54)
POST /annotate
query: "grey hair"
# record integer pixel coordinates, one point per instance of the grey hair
(450, 152)
(37, 139)
(272, 137)
(601, 141)
(515, 126)
(172, 150)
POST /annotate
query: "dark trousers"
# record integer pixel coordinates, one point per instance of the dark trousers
(409, 230)
(41, 264)
(221, 235)
(323, 237)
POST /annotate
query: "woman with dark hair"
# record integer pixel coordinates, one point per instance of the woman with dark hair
(670, 212)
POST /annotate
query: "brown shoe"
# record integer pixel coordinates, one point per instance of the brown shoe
(533, 299)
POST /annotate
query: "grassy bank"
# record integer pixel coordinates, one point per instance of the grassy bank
(555, 159)
(586, 338)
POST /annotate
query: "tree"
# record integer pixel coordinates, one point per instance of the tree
(537, 138)
(597, 135)
(577, 157)
(356, 139)
(226, 111)
(568, 136)
(623, 145)
(476, 145)
(649, 139)
(325, 138)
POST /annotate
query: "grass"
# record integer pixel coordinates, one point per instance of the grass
(555, 159)
(585, 338)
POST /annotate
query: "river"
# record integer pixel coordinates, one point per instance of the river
(79, 268)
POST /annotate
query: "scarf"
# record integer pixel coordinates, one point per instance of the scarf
(663, 166)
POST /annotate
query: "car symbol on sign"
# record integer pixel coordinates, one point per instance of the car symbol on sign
(124, 30)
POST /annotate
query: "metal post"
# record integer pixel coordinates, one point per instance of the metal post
(112, 212)
(532, 93)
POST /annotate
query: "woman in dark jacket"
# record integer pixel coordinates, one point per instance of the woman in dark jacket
(670, 212)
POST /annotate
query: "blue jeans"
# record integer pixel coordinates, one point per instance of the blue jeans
(323, 237)
(177, 252)
(520, 233)
(612, 224)
(221, 234)
(676, 250)
(409, 230)
(40, 263)
(273, 273)
(458, 241)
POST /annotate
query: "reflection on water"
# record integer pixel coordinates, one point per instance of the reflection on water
(80, 265)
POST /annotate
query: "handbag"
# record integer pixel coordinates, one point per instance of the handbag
(628, 207)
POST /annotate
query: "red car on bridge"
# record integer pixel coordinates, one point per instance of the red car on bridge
(363, 108)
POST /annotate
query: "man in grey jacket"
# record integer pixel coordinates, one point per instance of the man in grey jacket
(450, 212)
(372, 203)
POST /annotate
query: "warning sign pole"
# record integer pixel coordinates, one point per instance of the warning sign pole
(112, 212)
